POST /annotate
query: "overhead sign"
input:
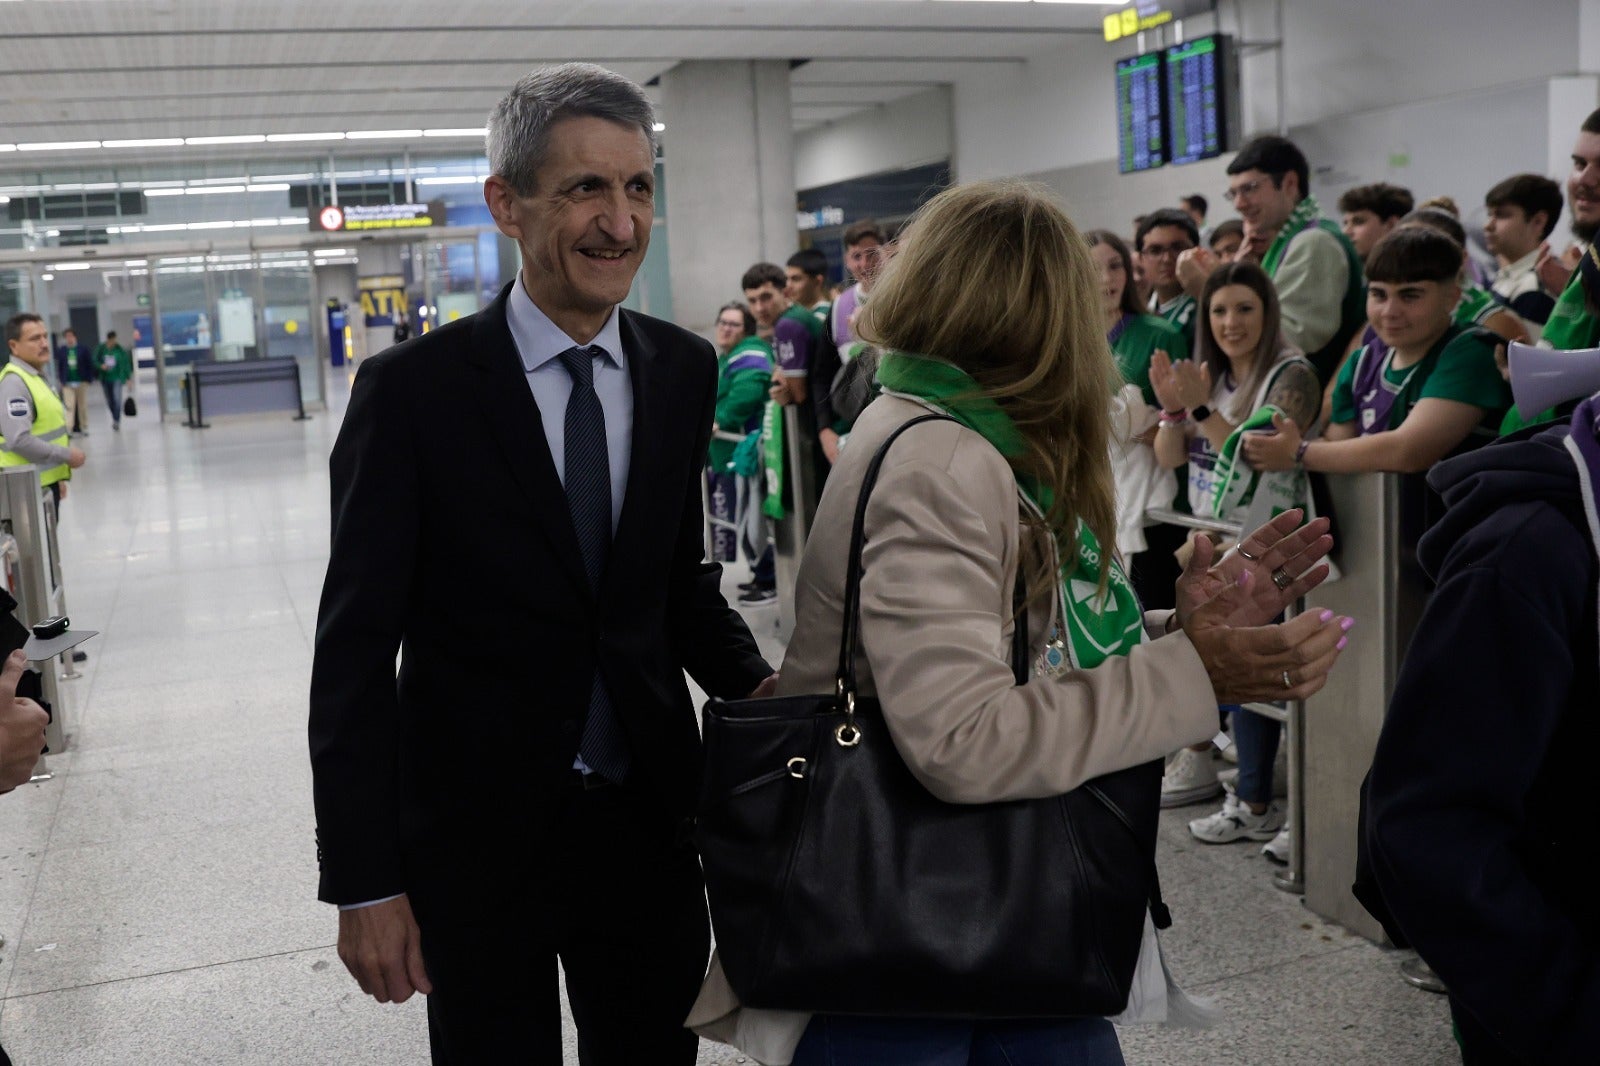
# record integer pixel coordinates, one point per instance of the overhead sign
(822, 216)
(1148, 14)
(356, 217)
(383, 299)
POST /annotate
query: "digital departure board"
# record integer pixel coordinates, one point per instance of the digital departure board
(1141, 129)
(1200, 93)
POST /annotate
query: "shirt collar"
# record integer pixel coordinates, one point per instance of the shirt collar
(1520, 266)
(540, 340)
(26, 368)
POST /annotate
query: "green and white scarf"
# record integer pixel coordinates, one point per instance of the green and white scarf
(1305, 215)
(772, 461)
(1236, 485)
(1097, 625)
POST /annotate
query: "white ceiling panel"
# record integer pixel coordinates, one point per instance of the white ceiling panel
(109, 69)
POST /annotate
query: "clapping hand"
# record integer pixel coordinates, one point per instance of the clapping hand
(1181, 385)
(1556, 270)
(1282, 543)
(1224, 609)
(1194, 267)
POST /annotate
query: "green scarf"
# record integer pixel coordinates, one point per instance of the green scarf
(773, 460)
(1236, 485)
(1304, 215)
(1098, 624)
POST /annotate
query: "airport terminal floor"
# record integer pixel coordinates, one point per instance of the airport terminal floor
(157, 894)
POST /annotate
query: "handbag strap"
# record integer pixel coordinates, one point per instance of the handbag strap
(1019, 642)
(850, 631)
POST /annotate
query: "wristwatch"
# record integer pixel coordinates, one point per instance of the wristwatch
(1199, 414)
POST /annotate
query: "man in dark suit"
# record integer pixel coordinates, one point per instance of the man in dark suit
(476, 822)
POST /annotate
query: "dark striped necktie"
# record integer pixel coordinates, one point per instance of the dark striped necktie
(587, 478)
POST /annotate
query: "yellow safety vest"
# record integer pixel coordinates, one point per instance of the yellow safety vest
(49, 425)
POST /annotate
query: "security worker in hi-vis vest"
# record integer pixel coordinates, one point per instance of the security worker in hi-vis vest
(33, 421)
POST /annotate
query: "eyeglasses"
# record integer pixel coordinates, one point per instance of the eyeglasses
(1243, 190)
(723, 323)
(1157, 251)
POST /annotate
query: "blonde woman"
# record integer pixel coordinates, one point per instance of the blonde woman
(1020, 479)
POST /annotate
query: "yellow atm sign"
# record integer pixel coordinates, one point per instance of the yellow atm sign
(1148, 14)
(383, 300)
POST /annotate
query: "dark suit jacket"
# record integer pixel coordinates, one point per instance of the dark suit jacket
(458, 550)
(87, 371)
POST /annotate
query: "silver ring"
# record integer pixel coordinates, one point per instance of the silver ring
(1286, 683)
(1281, 578)
(1247, 555)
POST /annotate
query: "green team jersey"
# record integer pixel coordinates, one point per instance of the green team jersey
(1477, 305)
(1460, 366)
(1179, 311)
(1571, 326)
(743, 376)
(1137, 339)
(821, 310)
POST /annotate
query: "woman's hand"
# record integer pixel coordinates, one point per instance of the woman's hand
(1281, 543)
(1164, 382)
(1274, 451)
(1193, 383)
(1258, 664)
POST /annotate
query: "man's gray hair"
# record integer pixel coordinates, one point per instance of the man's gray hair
(519, 126)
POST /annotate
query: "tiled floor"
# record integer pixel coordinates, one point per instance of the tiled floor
(158, 895)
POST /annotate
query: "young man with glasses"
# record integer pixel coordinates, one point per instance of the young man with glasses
(1162, 237)
(1312, 264)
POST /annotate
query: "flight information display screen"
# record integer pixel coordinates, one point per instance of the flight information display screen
(1141, 129)
(1196, 98)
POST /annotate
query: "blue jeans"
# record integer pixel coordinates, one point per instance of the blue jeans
(113, 391)
(836, 1040)
(1257, 738)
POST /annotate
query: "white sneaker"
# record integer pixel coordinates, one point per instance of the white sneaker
(1277, 849)
(1236, 822)
(1190, 778)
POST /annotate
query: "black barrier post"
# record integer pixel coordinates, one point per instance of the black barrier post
(300, 397)
(197, 402)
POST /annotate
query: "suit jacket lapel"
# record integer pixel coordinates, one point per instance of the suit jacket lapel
(501, 388)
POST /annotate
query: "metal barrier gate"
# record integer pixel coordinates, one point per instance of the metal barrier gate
(1379, 518)
(31, 521)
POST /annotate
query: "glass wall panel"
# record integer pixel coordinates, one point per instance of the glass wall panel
(287, 300)
(185, 335)
(14, 283)
(452, 280)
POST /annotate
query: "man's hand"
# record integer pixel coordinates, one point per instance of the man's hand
(22, 723)
(76, 458)
(1556, 270)
(1194, 267)
(1298, 551)
(780, 392)
(381, 946)
(766, 689)
(1273, 451)
(830, 444)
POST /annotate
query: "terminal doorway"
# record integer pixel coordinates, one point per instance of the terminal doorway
(177, 304)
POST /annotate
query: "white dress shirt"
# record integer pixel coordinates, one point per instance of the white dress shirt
(539, 342)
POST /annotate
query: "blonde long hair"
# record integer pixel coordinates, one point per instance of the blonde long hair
(995, 279)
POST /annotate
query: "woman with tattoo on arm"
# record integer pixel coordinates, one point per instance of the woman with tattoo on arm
(1243, 377)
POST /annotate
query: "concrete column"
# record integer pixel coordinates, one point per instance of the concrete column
(729, 155)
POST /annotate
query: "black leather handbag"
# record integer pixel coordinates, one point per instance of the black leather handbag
(839, 884)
